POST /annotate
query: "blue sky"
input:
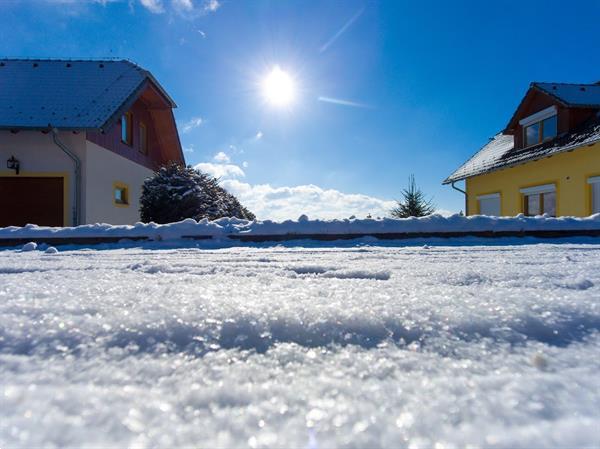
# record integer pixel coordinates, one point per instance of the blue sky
(424, 84)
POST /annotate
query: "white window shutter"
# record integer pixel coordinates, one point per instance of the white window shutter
(489, 204)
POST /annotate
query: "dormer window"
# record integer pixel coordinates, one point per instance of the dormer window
(540, 127)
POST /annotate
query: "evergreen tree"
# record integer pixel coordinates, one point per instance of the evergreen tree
(176, 192)
(414, 203)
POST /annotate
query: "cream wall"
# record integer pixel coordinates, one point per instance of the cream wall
(568, 171)
(103, 169)
(40, 156)
(100, 169)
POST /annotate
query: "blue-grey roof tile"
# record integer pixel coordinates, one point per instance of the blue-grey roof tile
(581, 95)
(66, 94)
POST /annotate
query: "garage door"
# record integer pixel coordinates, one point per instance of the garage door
(26, 200)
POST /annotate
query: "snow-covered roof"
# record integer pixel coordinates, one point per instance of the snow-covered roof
(485, 159)
(499, 152)
(67, 94)
(580, 95)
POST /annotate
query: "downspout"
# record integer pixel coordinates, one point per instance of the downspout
(77, 162)
(466, 197)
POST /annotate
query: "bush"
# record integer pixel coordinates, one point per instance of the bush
(176, 192)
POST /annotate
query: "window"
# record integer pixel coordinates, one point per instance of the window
(489, 204)
(126, 128)
(143, 138)
(594, 183)
(541, 131)
(120, 194)
(540, 127)
(539, 200)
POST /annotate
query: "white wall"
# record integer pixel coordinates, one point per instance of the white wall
(37, 153)
(103, 169)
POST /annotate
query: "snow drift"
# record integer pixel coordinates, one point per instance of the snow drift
(232, 226)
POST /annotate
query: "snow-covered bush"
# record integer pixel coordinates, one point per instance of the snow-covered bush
(176, 192)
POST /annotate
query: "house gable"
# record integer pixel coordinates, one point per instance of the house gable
(150, 109)
(569, 116)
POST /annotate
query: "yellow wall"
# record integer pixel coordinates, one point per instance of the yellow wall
(569, 171)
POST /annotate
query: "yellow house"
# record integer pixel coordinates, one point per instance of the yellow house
(546, 160)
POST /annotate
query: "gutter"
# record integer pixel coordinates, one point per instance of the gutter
(77, 163)
(466, 197)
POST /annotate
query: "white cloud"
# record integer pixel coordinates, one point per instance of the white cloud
(211, 5)
(183, 5)
(185, 8)
(154, 6)
(258, 135)
(221, 170)
(221, 156)
(282, 203)
(194, 122)
(189, 148)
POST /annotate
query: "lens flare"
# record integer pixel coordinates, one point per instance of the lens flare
(278, 87)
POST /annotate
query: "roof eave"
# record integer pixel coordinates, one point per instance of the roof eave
(566, 149)
(161, 89)
(451, 180)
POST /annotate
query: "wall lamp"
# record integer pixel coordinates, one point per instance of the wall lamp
(13, 164)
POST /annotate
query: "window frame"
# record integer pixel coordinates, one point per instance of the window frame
(125, 189)
(540, 136)
(538, 119)
(127, 117)
(541, 190)
(593, 181)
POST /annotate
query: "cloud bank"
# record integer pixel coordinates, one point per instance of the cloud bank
(282, 203)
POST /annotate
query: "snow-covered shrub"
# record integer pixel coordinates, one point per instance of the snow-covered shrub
(176, 192)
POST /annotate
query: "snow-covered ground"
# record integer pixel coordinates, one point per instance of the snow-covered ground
(308, 347)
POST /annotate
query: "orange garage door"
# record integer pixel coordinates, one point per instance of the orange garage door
(31, 200)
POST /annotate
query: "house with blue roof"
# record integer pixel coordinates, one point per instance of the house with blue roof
(78, 138)
(545, 161)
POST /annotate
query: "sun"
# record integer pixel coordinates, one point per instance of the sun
(278, 87)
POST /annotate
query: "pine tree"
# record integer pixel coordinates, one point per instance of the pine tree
(414, 203)
(176, 192)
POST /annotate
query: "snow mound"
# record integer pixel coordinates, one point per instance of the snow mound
(233, 226)
(31, 246)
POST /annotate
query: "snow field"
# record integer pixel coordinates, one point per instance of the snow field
(357, 346)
